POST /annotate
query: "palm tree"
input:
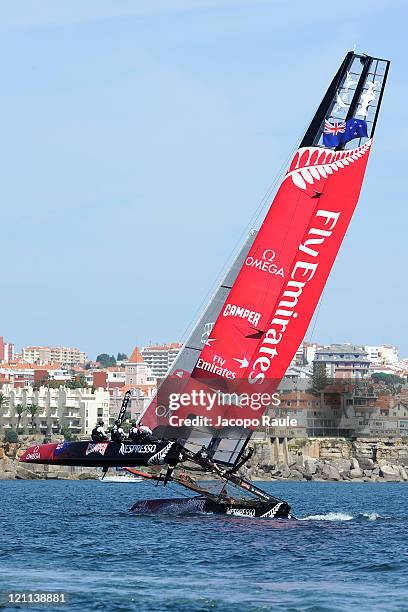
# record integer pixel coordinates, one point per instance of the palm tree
(19, 409)
(33, 409)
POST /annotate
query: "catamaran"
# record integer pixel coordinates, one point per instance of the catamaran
(210, 402)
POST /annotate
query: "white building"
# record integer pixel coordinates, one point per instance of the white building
(160, 357)
(382, 354)
(79, 409)
(54, 354)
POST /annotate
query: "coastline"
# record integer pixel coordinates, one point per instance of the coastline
(299, 459)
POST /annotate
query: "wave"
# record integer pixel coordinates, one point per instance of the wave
(343, 516)
(372, 516)
(328, 516)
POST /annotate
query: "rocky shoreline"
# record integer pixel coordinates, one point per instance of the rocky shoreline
(379, 459)
(335, 470)
(334, 460)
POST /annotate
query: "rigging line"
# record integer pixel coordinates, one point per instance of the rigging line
(316, 316)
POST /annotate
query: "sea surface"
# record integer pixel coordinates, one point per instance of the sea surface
(348, 550)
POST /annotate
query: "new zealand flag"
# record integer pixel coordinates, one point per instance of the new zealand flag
(355, 128)
(338, 133)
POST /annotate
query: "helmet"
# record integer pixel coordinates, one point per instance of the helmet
(100, 422)
(117, 422)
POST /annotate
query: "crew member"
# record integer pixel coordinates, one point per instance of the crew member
(98, 433)
(117, 433)
(134, 432)
(144, 431)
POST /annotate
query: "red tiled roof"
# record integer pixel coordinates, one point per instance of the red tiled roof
(136, 356)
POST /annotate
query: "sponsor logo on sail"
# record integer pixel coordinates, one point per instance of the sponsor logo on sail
(302, 272)
(232, 310)
(98, 447)
(216, 367)
(35, 454)
(265, 263)
(128, 449)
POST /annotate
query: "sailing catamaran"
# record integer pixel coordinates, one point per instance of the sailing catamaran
(246, 337)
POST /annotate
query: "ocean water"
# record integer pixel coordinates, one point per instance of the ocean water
(348, 550)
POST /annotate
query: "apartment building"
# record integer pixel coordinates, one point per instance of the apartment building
(64, 355)
(343, 361)
(160, 357)
(78, 409)
(6, 351)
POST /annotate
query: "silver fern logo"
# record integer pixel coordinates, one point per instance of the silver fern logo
(159, 457)
(272, 512)
(311, 164)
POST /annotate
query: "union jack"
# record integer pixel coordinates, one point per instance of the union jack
(334, 128)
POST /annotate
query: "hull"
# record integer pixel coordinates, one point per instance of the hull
(247, 509)
(104, 454)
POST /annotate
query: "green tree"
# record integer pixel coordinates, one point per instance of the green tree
(106, 360)
(319, 376)
(66, 432)
(389, 379)
(10, 435)
(121, 357)
(33, 410)
(19, 409)
(78, 383)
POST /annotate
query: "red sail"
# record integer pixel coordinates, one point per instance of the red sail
(276, 292)
(272, 301)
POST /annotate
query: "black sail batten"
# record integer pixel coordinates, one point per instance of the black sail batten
(356, 97)
(313, 131)
(387, 68)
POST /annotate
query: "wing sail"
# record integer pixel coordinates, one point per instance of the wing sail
(262, 319)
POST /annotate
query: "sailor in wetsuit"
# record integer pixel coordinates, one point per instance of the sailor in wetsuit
(117, 433)
(98, 433)
(145, 433)
(134, 432)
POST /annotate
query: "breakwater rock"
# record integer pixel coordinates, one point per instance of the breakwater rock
(323, 469)
(333, 459)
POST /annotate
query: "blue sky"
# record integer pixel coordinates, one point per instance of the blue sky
(138, 139)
